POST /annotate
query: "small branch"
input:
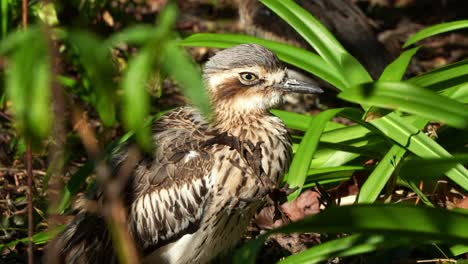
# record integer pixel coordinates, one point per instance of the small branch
(56, 148)
(30, 202)
(114, 211)
(29, 167)
(25, 14)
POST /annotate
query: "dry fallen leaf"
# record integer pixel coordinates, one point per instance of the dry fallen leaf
(306, 204)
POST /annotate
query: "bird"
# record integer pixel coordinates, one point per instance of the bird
(192, 199)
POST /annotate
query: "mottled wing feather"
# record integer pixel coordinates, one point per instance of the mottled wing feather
(165, 195)
(170, 190)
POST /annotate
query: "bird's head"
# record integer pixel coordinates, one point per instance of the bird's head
(249, 78)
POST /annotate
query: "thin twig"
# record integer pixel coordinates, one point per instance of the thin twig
(25, 14)
(29, 165)
(56, 149)
(30, 203)
(114, 213)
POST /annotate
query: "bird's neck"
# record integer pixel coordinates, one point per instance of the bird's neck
(250, 125)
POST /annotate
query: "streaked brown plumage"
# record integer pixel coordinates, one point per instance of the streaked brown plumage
(194, 197)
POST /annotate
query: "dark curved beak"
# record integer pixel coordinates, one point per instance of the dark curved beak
(295, 86)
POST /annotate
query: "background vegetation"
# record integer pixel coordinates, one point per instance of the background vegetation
(397, 143)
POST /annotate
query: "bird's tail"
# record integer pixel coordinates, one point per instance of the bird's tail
(85, 240)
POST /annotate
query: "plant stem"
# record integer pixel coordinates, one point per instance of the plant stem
(30, 204)
(29, 165)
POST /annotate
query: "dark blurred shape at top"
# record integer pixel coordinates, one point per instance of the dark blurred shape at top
(342, 17)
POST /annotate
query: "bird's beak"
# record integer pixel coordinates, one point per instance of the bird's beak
(295, 86)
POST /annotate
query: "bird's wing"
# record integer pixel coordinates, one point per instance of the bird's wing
(169, 191)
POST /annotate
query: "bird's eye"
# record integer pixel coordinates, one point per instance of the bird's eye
(248, 76)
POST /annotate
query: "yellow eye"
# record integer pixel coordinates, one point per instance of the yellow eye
(248, 76)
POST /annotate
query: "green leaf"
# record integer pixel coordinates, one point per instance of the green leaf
(429, 168)
(443, 77)
(135, 98)
(426, 224)
(410, 98)
(323, 42)
(459, 249)
(300, 58)
(4, 22)
(312, 30)
(77, 180)
(39, 111)
(247, 253)
(301, 161)
(96, 60)
(136, 35)
(376, 226)
(376, 181)
(326, 158)
(301, 121)
(459, 93)
(396, 70)
(436, 29)
(38, 238)
(11, 41)
(413, 139)
(176, 63)
(343, 247)
(28, 86)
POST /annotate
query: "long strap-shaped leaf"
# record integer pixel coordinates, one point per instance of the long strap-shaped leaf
(300, 164)
(343, 247)
(386, 225)
(436, 29)
(323, 42)
(412, 99)
(300, 58)
(426, 223)
(443, 77)
(413, 139)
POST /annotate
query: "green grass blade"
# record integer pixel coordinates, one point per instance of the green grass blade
(459, 249)
(458, 93)
(135, 99)
(312, 30)
(443, 77)
(345, 134)
(427, 224)
(300, 58)
(4, 12)
(376, 226)
(16, 38)
(136, 35)
(396, 70)
(413, 139)
(326, 158)
(432, 168)
(39, 112)
(343, 247)
(319, 171)
(436, 29)
(38, 238)
(73, 186)
(95, 58)
(410, 98)
(323, 42)
(186, 74)
(301, 121)
(376, 181)
(301, 161)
